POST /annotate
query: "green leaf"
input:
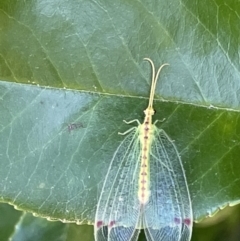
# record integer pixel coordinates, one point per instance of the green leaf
(21, 226)
(8, 218)
(27, 228)
(72, 71)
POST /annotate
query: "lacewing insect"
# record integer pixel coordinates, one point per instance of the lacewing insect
(145, 187)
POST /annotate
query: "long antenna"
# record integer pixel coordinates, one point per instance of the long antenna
(154, 81)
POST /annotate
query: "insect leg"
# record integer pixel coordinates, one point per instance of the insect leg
(156, 121)
(131, 121)
(126, 132)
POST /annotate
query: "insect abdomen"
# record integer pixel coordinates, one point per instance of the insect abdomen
(146, 134)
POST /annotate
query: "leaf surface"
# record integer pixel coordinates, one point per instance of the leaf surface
(72, 71)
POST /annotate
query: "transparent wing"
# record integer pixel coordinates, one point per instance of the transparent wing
(118, 213)
(168, 214)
